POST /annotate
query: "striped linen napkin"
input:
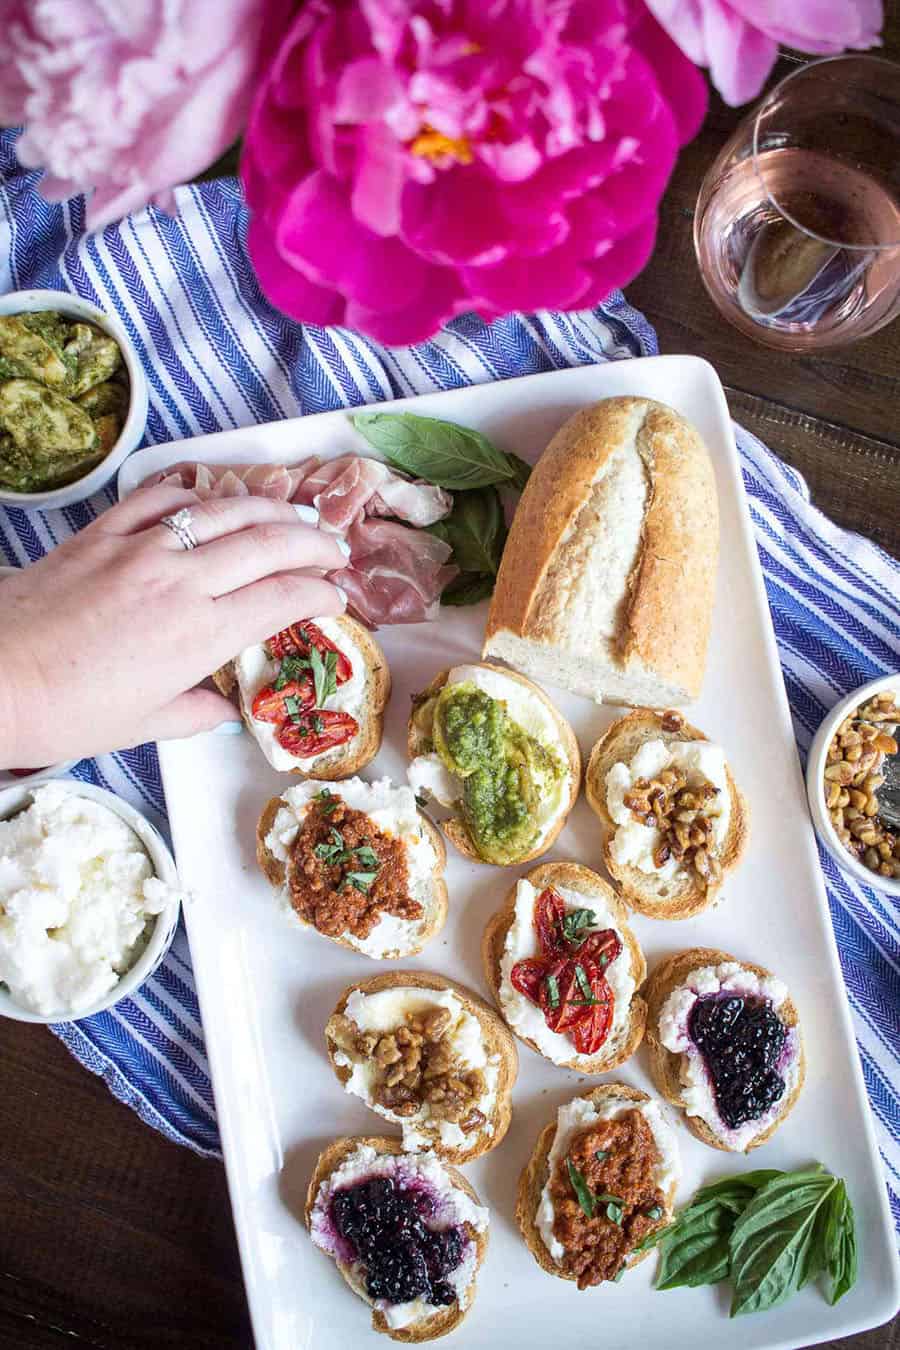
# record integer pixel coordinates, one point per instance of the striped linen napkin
(218, 356)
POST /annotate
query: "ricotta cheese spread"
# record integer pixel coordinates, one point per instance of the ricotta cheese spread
(428, 774)
(697, 1090)
(634, 843)
(581, 1114)
(77, 895)
(387, 1009)
(452, 1207)
(393, 810)
(254, 669)
(525, 1017)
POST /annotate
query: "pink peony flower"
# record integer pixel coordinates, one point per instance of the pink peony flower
(125, 97)
(407, 160)
(738, 39)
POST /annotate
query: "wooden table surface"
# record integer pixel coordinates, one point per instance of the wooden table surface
(113, 1238)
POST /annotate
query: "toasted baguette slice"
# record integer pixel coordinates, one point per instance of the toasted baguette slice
(687, 893)
(608, 576)
(572, 877)
(498, 1043)
(426, 1329)
(434, 900)
(666, 1068)
(455, 828)
(536, 1174)
(349, 758)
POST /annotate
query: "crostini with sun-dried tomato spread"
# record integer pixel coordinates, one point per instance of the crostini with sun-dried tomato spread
(313, 696)
(358, 862)
(565, 969)
(601, 1179)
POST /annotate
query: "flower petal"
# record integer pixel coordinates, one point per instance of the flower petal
(285, 286)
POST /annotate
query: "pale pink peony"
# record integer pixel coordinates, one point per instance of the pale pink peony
(407, 160)
(738, 39)
(126, 97)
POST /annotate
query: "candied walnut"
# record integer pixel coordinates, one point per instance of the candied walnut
(344, 873)
(616, 1161)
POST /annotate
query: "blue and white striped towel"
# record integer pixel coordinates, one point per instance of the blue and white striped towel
(218, 356)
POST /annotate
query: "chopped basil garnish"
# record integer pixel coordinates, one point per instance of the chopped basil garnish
(575, 922)
(327, 801)
(292, 667)
(581, 1188)
(360, 880)
(601, 1154)
(655, 1212)
(292, 707)
(366, 856)
(324, 669)
(552, 991)
(584, 985)
(318, 725)
(619, 1273)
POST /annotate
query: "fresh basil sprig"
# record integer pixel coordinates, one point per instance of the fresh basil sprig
(442, 453)
(582, 1190)
(475, 530)
(769, 1232)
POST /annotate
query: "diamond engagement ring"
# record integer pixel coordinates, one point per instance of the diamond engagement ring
(181, 526)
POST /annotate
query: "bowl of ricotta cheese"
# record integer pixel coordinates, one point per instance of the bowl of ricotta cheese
(89, 900)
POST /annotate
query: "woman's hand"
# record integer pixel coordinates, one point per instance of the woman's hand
(103, 641)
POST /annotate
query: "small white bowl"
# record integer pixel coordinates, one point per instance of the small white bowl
(815, 784)
(8, 779)
(18, 302)
(13, 800)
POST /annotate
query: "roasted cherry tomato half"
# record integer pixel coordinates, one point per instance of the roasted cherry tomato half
(526, 976)
(601, 947)
(562, 1003)
(549, 912)
(314, 732)
(592, 1030)
(269, 703)
(297, 640)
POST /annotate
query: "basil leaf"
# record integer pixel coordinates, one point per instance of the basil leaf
(521, 471)
(601, 1154)
(774, 1245)
(366, 856)
(588, 996)
(581, 1189)
(324, 669)
(443, 453)
(468, 589)
(361, 880)
(552, 991)
(575, 921)
(840, 1257)
(694, 1249)
(475, 530)
(736, 1191)
(327, 801)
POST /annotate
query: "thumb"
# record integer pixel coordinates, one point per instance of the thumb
(189, 714)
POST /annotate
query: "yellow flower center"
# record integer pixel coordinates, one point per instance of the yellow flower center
(434, 145)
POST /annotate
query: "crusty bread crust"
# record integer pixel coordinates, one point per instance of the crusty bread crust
(686, 894)
(347, 759)
(274, 871)
(535, 1175)
(448, 1318)
(497, 1042)
(454, 828)
(667, 608)
(573, 877)
(666, 1067)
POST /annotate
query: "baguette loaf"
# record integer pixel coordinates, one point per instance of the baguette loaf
(607, 580)
(499, 1047)
(423, 1328)
(668, 1069)
(687, 892)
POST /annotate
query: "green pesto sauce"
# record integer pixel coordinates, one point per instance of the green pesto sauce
(501, 766)
(63, 399)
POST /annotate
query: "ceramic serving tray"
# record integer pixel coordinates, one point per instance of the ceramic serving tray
(267, 989)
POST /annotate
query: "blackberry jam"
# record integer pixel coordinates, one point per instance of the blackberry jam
(741, 1039)
(386, 1227)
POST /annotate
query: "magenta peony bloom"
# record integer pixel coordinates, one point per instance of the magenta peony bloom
(126, 97)
(407, 160)
(738, 39)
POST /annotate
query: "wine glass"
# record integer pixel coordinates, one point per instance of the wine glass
(797, 229)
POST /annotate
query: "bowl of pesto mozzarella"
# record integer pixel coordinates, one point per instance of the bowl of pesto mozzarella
(73, 398)
(89, 900)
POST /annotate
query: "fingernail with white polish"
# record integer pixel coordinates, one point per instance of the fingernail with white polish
(342, 593)
(308, 514)
(343, 546)
(228, 729)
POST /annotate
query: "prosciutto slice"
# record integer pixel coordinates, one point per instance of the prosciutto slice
(396, 571)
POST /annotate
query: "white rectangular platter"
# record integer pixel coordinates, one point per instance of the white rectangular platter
(266, 989)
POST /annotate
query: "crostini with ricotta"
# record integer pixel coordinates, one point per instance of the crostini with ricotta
(313, 696)
(358, 863)
(489, 744)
